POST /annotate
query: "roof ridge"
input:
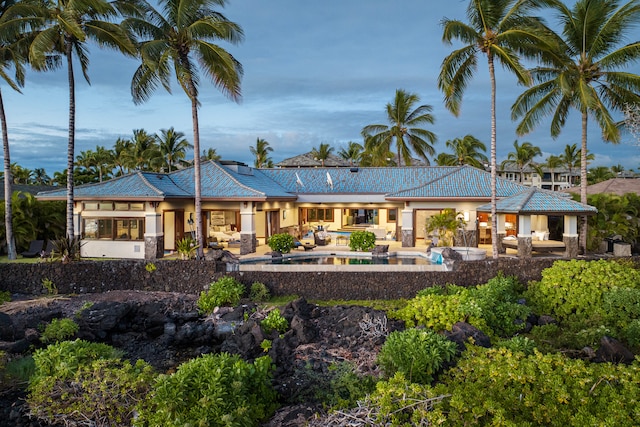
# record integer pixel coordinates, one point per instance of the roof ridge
(246, 187)
(404, 190)
(146, 181)
(528, 197)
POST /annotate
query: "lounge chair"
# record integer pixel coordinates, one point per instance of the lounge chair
(321, 239)
(35, 247)
(306, 246)
(48, 249)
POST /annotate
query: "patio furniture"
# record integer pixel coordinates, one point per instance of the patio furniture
(214, 244)
(306, 246)
(341, 239)
(321, 238)
(48, 249)
(35, 247)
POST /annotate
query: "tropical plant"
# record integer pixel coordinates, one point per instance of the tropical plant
(375, 154)
(322, 152)
(274, 322)
(599, 174)
(352, 153)
(281, 242)
(467, 150)
(180, 35)
(261, 153)
(362, 240)
(616, 216)
(66, 250)
(584, 73)
(210, 154)
(59, 330)
(406, 128)
(213, 390)
(501, 30)
(522, 156)
(63, 29)
(186, 248)
(120, 148)
(143, 153)
(259, 292)
(173, 147)
(224, 291)
(11, 57)
(444, 225)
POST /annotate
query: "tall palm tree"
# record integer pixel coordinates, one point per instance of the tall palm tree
(571, 159)
(103, 162)
(261, 152)
(11, 58)
(173, 146)
(40, 177)
(599, 174)
(64, 29)
(322, 152)
(210, 154)
(467, 150)
(180, 35)
(406, 128)
(586, 74)
(144, 152)
(377, 155)
(522, 156)
(119, 151)
(551, 163)
(352, 153)
(502, 31)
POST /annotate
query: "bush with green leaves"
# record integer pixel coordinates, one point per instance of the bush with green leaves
(345, 386)
(492, 307)
(418, 353)
(518, 343)
(574, 290)
(259, 292)
(59, 330)
(501, 387)
(5, 296)
(274, 322)
(362, 240)
(212, 390)
(225, 291)
(281, 242)
(77, 382)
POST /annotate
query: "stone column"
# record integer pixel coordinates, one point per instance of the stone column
(571, 245)
(524, 246)
(153, 247)
(408, 236)
(501, 249)
(248, 228)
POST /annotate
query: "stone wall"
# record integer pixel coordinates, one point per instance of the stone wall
(193, 276)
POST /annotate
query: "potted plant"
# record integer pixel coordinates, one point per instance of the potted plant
(444, 225)
(282, 242)
(186, 248)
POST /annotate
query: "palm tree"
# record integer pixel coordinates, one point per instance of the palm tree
(322, 152)
(119, 157)
(64, 29)
(173, 146)
(467, 150)
(584, 74)
(551, 163)
(261, 152)
(103, 162)
(352, 153)
(144, 152)
(210, 154)
(522, 156)
(180, 36)
(10, 58)
(40, 177)
(375, 154)
(501, 30)
(406, 128)
(571, 159)
(599, 174)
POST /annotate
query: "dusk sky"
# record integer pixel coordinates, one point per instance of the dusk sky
(314, 72)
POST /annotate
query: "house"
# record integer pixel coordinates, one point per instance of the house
(144, 214)
(558, 179)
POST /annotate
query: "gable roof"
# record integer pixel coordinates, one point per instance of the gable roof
(536, 201)
(308, 160)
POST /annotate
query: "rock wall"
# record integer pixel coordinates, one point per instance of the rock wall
(191, 277)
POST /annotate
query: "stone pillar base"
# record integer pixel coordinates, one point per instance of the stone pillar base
(501, 249)
(407, 238)
(153, 247)
(247, 243)
(465, 238)
(524, 247)
(621, 249)
(571, 246)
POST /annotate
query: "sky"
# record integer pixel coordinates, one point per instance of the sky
(314, 72)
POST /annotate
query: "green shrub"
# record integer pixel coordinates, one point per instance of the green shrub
(362, 240)
(282, 242)
(187, 248)
(418, 353)
(274, 322)
(225, 291)
(150, 267)
(78, 383)
(59, 330)
(212, 390)
(5, 296)
(499, 387)
(436, 310)
(259, 292)
(66, 250)
(17, 371)
(573, 290)
(49, 286)
(518, 343)
(345, 386)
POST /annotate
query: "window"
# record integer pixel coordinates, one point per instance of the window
(113, 228)
(392, 215)
(319, 214)
(109, 206)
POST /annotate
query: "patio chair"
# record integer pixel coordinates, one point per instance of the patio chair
(35, 247)
(48, 249)
(306, 246)
(321, 240)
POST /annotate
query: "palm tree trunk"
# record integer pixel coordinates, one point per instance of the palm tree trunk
(494, 199)
(583, 183)
(71, 143)
(8, 213)
(196, 170)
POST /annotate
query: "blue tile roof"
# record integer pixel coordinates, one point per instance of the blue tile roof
(534, 200)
